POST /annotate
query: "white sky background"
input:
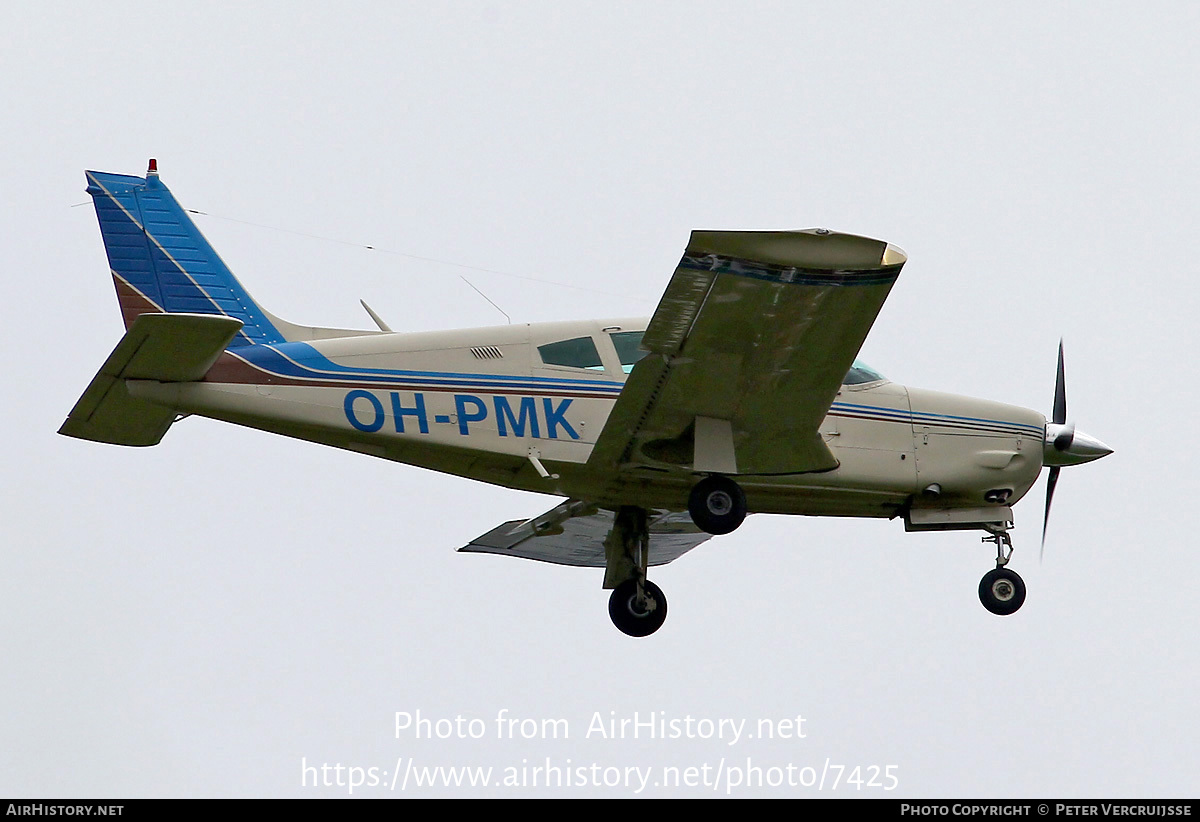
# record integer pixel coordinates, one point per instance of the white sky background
(193, 619)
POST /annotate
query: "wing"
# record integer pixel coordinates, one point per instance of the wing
(748, 348)
(573, 533)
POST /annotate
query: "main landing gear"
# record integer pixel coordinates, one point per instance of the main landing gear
(717, 505)
(637, 606)
(1001, 591)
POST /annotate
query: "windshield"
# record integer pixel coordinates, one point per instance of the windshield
(860, 373)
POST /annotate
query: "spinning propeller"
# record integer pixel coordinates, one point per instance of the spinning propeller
(1063, 445)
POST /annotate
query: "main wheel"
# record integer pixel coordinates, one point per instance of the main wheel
(628, 617)
(717, 505)
(1002, 591)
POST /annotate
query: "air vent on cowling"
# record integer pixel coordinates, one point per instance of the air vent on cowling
(486, 352)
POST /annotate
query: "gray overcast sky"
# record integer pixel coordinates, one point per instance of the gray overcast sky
(199, 618)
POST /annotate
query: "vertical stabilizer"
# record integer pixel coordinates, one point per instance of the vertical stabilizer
(160, 261)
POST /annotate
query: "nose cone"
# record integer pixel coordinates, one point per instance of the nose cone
(1064, 447)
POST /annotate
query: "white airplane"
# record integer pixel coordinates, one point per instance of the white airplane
(741, 394)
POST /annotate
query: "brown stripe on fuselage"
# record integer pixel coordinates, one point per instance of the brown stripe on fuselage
(232, 369)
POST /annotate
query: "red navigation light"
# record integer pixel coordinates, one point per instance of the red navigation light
(153, 166)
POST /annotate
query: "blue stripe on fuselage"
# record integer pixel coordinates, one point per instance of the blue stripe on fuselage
(300, 360)
(922, 417)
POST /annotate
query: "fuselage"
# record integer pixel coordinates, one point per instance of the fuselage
(498, 404)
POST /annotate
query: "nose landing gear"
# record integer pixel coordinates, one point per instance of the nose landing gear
(1001, 591)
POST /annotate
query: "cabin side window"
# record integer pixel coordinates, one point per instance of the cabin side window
(577, 353)
(629, 348)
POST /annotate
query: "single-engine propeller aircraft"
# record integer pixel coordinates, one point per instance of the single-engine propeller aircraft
(741, 394)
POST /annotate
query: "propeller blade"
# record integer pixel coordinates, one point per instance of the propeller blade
(1061, 442)
(1051, 481)
(1060, 390)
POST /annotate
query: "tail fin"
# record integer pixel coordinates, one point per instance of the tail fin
(160, 261)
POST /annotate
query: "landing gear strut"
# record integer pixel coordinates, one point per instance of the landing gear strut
(717, 505)
(637, 606)
(1001, 591)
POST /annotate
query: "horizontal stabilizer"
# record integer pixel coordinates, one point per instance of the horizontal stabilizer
(160, 347)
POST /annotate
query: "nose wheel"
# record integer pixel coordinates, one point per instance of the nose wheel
(1001, 591)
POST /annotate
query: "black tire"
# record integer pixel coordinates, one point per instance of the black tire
(625, 614)
(1002, 591)
(717, 505)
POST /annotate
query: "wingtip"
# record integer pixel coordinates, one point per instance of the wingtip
(894, 255)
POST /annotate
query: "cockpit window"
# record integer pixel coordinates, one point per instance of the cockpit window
(860, 373)
(629, 349)
(577, 353)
